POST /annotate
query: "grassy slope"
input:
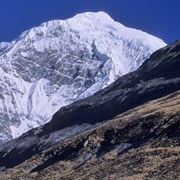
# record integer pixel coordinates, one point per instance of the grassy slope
(152, 130)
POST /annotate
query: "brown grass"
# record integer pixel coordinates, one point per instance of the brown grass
(156, 159)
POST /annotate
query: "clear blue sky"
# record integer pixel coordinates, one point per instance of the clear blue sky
(158, 17)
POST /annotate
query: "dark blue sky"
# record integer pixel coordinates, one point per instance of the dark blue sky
(158, 17)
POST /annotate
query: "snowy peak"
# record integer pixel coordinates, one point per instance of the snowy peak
(92, 17)
(62, 61)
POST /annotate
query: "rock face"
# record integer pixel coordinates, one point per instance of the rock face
(158, 76)
(62, 61)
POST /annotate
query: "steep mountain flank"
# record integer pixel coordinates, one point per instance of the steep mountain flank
(142, 143)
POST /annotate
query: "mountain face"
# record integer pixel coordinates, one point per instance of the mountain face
(158, 76)
(62, 61)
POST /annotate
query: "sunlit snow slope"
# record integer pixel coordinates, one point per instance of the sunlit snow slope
(61, 61)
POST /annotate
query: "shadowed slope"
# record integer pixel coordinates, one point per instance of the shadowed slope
(142, 143)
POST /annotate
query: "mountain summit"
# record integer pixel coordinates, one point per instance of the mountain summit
(62, 61)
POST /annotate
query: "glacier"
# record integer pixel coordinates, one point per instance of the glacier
(63, 61)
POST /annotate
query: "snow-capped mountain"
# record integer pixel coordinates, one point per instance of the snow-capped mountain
(62, 61)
